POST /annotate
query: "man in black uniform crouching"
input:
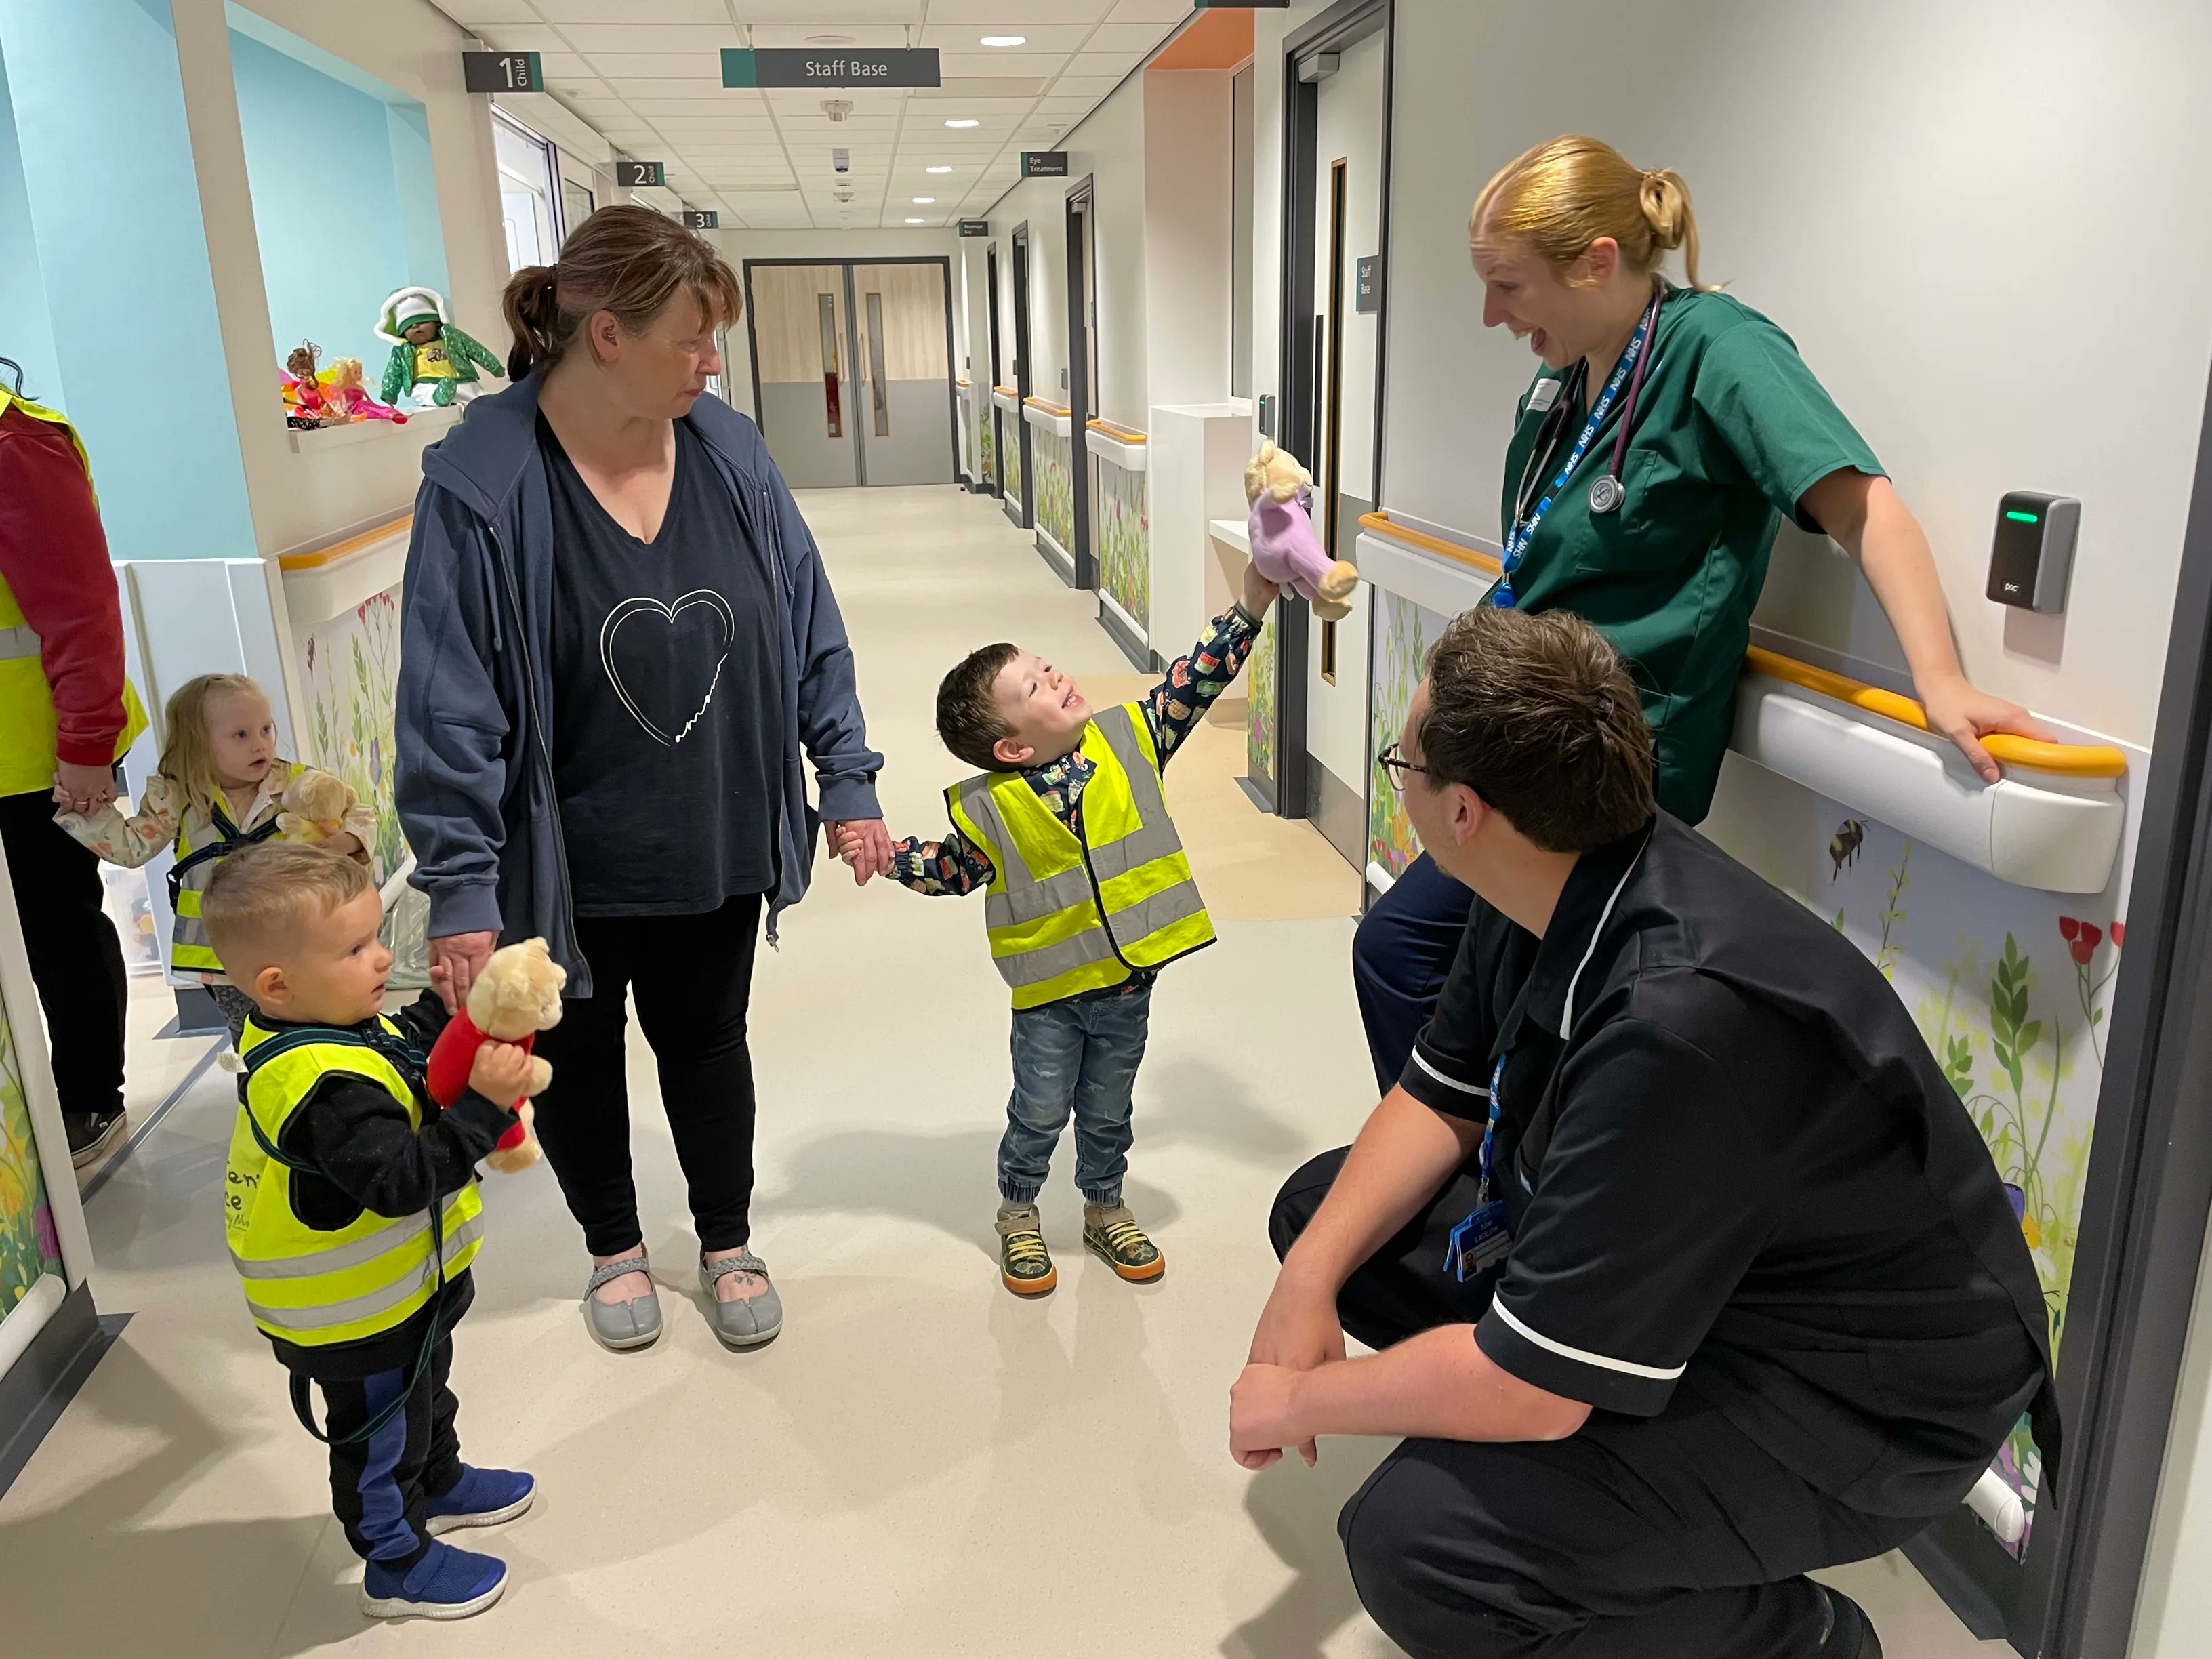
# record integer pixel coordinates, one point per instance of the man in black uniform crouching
(1687, 1272)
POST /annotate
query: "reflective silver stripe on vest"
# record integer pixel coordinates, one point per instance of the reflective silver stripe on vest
(1162, 910)
(21, 640)
(339, 1257)
(381, 1300)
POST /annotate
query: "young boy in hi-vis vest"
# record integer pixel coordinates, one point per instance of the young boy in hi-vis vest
(1087, 896)
(350, 1209)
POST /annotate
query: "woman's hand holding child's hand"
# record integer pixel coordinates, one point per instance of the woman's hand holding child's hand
(865, 846)
(500, 1073)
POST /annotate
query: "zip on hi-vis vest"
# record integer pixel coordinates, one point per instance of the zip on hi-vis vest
(347, 1265)
(1075, 910)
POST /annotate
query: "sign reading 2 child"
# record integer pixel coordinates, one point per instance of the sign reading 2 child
(837, 66)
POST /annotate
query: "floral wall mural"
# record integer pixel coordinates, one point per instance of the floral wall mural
(352, 672)
(988, 427)
(1259, 723)
(2011, 988)
(29, 1245)
(1121, 532)
(1055, 489)
(1404, 634)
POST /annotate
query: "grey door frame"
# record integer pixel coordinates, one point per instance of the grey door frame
(851, 334)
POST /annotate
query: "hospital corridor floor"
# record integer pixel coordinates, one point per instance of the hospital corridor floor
(921, 1463)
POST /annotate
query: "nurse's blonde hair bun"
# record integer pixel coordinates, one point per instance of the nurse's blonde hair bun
(1566, 194)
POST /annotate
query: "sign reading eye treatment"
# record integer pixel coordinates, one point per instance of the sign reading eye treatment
(833, 66)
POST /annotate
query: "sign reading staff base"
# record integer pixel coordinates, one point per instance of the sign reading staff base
(834, 66)
(502, 71)
(694, 220)
(1044, 164)
(641, 175)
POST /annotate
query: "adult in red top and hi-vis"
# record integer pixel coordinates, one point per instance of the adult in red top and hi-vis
(67, 715)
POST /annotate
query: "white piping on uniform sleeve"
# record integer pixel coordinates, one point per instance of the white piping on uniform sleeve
(1655, 1373)
(1448, 1082)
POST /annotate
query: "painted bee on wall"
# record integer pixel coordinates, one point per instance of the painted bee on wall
(1843, 846)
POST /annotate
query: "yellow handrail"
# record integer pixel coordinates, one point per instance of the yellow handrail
(2063, 759)
(332, 554)
(1049, 409)
(1380, 524)
(1121, 434)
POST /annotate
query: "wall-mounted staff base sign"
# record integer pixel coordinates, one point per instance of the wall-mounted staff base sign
(1044, 164)
(829, 66)
(975, 227)
(502, 71)
(710, 220)
(641, 175)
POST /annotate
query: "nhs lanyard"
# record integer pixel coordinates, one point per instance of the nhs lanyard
(1524, 525)
(1490, 1131)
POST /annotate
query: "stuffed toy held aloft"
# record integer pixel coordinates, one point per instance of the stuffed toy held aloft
(340, 384)
(1284, 545)
(433, 363)
(516, 996)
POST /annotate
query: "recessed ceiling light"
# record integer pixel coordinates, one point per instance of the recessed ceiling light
(936, 169)
(925, 201)
(970, 123)
(1005, 39)
(913, 222)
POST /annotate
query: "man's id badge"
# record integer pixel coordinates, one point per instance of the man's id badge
(1479, 1243)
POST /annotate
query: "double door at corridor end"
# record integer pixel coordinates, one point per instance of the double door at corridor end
(851, 370)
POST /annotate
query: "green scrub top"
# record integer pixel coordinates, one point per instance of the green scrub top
(1731, 430)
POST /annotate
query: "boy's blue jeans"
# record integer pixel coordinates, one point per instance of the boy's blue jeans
(1080, 1058)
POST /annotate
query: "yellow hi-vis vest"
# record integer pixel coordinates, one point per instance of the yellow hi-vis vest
(1069, 914)
(190, 949)
(27, 703)
(304, 1284)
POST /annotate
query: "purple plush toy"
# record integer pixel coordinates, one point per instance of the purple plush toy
(1285, 548)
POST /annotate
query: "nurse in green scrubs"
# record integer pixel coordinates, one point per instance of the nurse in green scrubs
(1660, 541)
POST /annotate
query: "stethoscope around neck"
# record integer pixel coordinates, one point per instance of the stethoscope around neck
(1606, 492)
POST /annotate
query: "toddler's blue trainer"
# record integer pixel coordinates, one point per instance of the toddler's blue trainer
(446, 1584)
(480, 1498)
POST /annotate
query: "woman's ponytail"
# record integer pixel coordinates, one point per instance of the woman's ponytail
(1665, 200)
(532, 303)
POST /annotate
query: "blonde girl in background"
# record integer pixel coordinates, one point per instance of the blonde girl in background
(221, 786)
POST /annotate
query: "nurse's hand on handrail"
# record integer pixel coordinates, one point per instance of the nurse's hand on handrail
(1967, 715)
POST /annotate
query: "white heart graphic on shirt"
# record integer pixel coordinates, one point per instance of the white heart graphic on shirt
(629, 611)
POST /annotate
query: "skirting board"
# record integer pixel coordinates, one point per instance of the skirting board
(1338, 811)
(1062, 562)
(39, 1386)
(1124, 633)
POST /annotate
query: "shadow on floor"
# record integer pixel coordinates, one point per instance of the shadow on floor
(1294, 1508)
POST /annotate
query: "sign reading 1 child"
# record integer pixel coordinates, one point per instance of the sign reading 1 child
(502, 71)
(833, 66)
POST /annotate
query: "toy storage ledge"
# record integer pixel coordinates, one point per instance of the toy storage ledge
(2054, 823)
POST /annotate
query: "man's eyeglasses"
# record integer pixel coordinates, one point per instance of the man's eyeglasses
(1394, 762)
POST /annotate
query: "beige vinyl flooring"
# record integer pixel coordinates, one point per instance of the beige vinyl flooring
(921, 1464)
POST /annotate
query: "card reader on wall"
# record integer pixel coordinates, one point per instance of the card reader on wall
(2034, 551)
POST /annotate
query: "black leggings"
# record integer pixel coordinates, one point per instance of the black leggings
(77, 962)
(694, 979)
(1636, 1538)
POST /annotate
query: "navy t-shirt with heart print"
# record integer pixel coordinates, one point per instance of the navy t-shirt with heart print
(667, 697)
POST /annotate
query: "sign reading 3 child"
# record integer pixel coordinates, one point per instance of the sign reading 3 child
(837, 66)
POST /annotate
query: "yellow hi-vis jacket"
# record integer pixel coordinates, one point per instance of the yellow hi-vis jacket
(27, 703)
(1066, 913)
(303, 1284)
(190, 950)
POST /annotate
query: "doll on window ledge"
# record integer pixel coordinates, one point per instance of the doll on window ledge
(433, 363)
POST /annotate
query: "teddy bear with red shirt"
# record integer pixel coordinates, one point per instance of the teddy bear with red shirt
(516, 996)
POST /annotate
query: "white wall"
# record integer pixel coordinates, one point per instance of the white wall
(1189, 232)
(1936, 201)
(309, 494)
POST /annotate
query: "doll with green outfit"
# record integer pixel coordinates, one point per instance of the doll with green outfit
(434, 364)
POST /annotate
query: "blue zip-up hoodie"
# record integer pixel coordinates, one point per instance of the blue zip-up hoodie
(474, 778)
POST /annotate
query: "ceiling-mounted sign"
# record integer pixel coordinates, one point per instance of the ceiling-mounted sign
(1367, 295)
(829, 66)
(975, 227)
(710, 220)
(1044, 164)
(502, 71)
(641, 175)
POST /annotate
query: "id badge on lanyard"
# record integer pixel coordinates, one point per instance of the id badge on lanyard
(1481, 1242)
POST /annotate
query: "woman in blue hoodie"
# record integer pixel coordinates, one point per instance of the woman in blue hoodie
(616, 638)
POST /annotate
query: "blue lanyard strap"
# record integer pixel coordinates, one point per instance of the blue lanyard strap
(1517, 538)
(1489, 1133)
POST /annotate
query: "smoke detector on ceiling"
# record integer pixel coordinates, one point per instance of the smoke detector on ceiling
(837, 108)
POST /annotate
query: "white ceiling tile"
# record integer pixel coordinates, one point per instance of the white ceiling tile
(829, 15)
(658, 110)
(1092, 87)
(878, 36)
(1036, 37)
(1137, 38)
(634, 11)
(960, 88)
(1013, 18)
(963, 64)
(473, 13)
(668, 89)
(515, 37)
(1149, 11)
(657, 65)
(705, 38)
(1113, 64)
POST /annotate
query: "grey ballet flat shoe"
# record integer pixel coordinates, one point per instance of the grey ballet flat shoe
(619, 1326)
(750, 1322)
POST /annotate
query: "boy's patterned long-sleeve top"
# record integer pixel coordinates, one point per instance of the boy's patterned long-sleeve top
(1173, 708)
